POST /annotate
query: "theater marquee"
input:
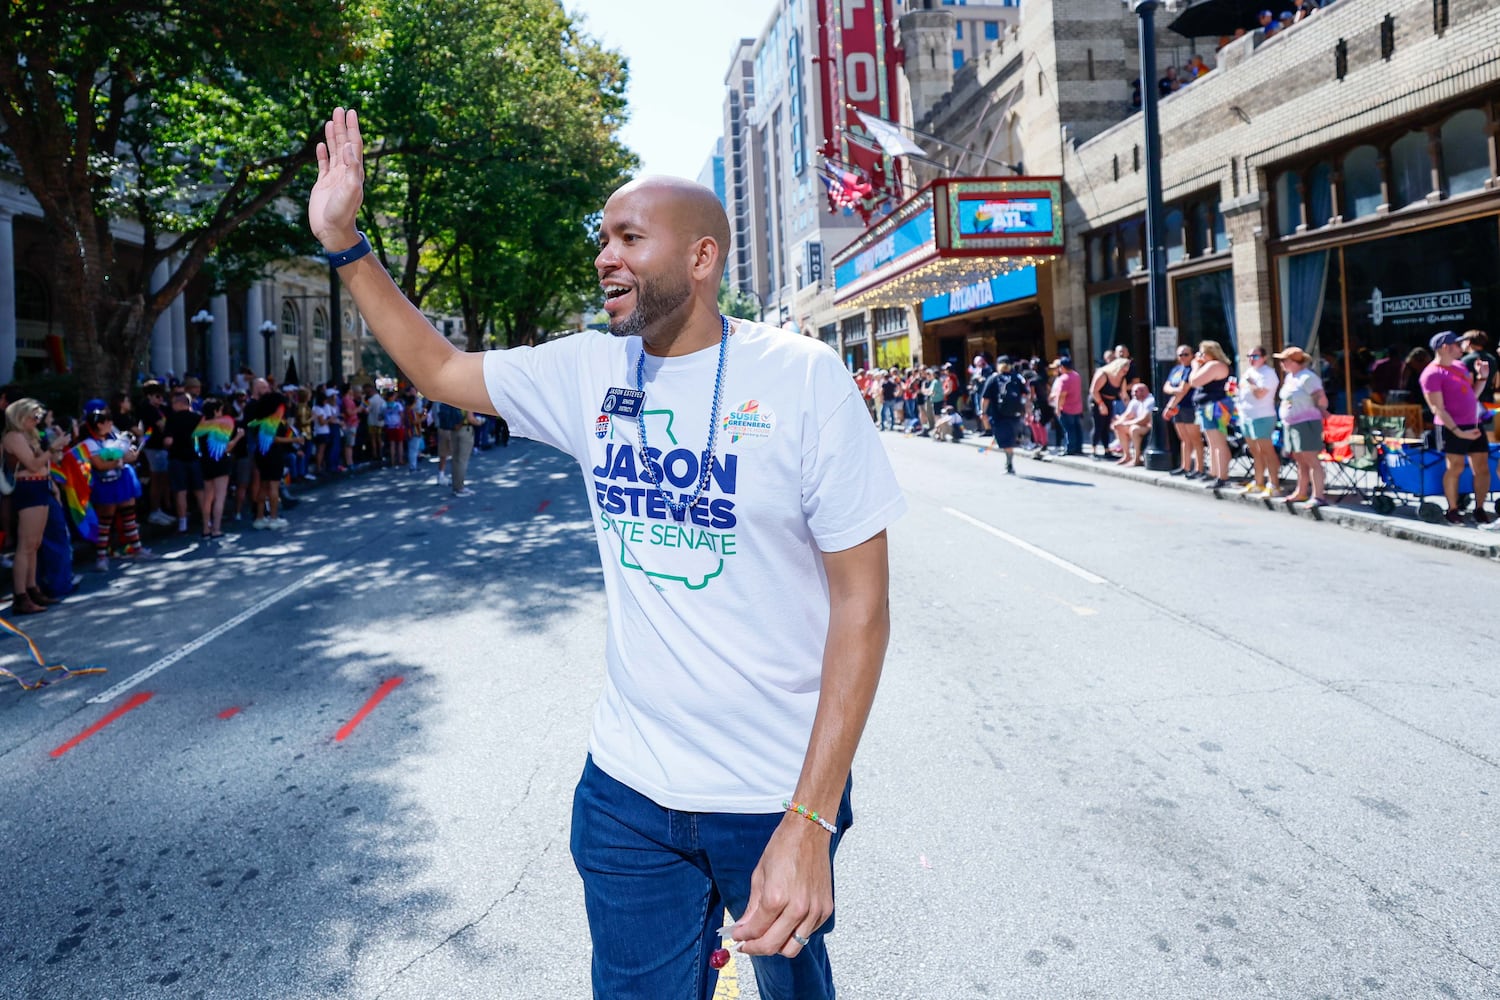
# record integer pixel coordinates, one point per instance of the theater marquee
(953, 233)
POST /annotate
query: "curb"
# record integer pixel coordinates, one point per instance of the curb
(1464, 540)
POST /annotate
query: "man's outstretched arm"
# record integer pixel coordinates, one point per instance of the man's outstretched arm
(437, 368)
(791, 890)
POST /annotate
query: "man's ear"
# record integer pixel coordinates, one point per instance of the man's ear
(705, 256)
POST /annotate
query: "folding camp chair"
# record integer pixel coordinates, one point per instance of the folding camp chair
(1382, 436)
(1338, 456)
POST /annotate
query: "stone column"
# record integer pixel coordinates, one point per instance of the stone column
(7, 296)
(218, 344)
(255, 315)
(1245, 225)
(179, 335)
(161, 331)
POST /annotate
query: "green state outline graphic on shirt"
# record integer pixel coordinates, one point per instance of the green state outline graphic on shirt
(613, 523)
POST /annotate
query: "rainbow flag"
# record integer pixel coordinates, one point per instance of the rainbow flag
(211, 437)
(71, 472)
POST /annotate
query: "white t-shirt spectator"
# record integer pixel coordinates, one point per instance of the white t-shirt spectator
(717, 622)
(1137, 408)
(324, 414)
(1258, 377)
(375, 411)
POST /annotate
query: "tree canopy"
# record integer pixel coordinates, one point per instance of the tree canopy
(192, 126)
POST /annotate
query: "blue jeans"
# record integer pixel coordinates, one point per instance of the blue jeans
(888, 414)
(656, 882)
(1072, 427)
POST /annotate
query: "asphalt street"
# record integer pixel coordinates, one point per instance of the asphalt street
(1129, 743)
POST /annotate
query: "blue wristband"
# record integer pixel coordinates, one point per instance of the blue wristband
(351, 255)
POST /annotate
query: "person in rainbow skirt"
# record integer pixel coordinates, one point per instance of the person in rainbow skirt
(113, 486)
(213, 440)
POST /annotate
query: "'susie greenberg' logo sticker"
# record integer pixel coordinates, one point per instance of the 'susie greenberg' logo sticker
(749, 424)
(601, 426)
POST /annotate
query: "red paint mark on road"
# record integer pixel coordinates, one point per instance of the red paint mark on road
(230, 713)
(440, 511)
(375, 699)
(135, 702)
(544, 506)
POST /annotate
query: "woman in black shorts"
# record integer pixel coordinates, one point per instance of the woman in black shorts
(31, 467)
(214, 440)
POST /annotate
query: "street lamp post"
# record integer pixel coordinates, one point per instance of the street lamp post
(1159, 451)
(760, 304)
(202, 321)
(267, 331)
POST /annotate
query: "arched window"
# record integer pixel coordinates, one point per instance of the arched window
(1173, 237)
(291, 323)
(1411, 170)
(1288, 203)
(1361, 182)
(1319, 195)
(1203, 231)
(320, 324)
(32, 301)
(1466, 152)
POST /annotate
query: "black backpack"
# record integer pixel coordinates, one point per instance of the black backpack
(1010, 396)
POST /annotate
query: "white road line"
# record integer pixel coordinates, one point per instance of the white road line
(1026, 546)
(141, 676)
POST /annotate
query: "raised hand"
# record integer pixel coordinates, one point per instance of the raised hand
(336, 197)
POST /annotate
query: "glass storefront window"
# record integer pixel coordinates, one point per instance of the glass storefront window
(1111, 265)
(1466, 152)
(1110, 322)
(1205, 308)
(1288, 203)
(1361, 182)
(1411, 170)
(1175, 249)
(1319, 196)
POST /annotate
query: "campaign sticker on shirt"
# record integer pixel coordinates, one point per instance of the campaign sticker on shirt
(749, 424)
(625, 402)
(601, 427)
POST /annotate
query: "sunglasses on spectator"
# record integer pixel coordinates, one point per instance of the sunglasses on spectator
(1256, 355)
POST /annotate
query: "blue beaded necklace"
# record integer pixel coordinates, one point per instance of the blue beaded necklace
(680, 508)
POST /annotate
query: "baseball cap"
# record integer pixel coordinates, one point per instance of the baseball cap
(1442, 339)
(1264, 13)
(1296, 354)
(330, 392)
(1003, 359)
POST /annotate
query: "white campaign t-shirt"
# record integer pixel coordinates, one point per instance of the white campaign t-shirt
(717, 623)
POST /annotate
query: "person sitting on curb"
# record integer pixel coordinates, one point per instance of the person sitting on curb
(1132, 426)
(949, 425)
(1449, 388)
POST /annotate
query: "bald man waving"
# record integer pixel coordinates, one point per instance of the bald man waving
(740, 499)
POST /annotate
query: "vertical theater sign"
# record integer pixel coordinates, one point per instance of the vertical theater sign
(858, 63)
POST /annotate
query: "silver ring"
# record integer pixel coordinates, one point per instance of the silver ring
(800, 939)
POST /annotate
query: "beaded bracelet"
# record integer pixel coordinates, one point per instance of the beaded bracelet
(807, 813)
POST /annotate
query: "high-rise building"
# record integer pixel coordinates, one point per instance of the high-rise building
(739, 96)
(789, 141)
(712, 174)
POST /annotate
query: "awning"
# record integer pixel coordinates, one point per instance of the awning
(1217, 18)
(952, 233)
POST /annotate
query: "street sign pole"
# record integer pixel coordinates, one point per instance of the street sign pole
(1159, 451)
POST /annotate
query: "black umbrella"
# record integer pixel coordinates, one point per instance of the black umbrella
(1215, 18)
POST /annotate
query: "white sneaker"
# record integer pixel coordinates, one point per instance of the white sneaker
(278, 524)
(443, 479)
(160, 518)
(260, 524)
(465, 492)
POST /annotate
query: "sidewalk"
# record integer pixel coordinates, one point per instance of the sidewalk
(1350, 513)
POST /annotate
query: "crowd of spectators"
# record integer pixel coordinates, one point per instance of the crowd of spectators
(1216, 413)
(172, 457)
